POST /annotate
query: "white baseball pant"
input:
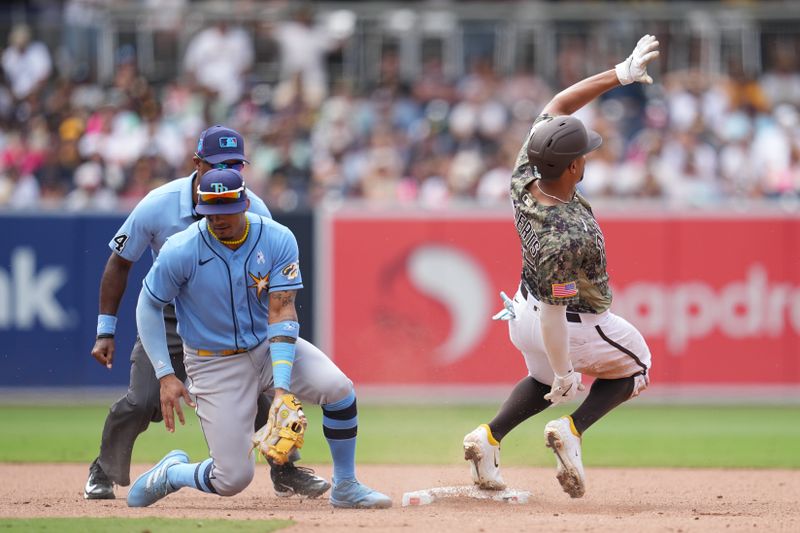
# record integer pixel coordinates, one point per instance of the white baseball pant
(602, 346)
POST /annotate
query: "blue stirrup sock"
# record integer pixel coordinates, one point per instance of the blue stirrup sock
(194, 475)
(340, 426)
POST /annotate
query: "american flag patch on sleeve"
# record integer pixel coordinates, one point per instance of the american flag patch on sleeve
(565, 290)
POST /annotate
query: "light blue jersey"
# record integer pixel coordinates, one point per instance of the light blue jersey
(165, 211)
(222, 295)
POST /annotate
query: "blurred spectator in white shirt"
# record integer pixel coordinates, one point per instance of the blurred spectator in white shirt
(83, 22)
(493, 185)
(26, 63)
(303, 48)
(90, 192)
(382, 170)
(217, 58)
(736, 166)
(18, 190)
(772, 149)
(782, 83)
(686, 171)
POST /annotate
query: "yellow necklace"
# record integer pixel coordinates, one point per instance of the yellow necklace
(232, 243)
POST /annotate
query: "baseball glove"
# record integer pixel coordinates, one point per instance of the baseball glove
(284, 430)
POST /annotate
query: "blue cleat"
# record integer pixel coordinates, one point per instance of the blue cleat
(153, 485)
(350, 494)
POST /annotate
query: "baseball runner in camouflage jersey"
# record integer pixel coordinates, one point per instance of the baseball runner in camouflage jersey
(565, 242)
(559, 318)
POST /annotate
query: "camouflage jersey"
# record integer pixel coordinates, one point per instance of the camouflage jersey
(563, 252)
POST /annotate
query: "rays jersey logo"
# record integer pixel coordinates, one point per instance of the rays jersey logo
(260, 283)
(291, 271)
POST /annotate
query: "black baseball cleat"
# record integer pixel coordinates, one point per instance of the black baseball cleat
(289, 480)
(98, 486)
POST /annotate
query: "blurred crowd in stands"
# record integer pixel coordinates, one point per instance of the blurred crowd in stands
(692, 139)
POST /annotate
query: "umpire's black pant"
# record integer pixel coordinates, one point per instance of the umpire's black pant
(132, 413)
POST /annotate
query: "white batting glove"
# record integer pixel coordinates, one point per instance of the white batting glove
(565, 388)
(634, 68)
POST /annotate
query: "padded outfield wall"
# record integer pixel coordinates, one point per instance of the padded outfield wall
(409, 294)
(404, 297)
(50, 269)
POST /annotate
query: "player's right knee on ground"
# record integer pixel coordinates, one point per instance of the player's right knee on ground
(231, 480)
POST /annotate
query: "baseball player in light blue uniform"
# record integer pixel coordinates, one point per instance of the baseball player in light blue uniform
(234, 277)
(162, 213)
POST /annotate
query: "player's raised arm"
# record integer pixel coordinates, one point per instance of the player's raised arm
(632, 69)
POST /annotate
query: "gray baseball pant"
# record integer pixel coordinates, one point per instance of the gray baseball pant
(131, 414)
(224, 389)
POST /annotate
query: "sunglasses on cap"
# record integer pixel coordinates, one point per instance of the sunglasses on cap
(235, 166)
(220, 197)
(239, 165)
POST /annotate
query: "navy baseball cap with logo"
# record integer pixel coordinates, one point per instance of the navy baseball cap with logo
(221, 192)
(218, 144)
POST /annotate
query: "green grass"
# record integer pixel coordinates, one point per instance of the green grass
(141, 525)
(632, 435)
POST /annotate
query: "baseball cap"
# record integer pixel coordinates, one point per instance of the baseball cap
(221, 192)
(218, 144)
(558, 142)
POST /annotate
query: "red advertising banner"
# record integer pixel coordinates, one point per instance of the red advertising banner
(407, 298)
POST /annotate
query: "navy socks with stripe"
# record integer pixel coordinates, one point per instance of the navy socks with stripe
(340, 426)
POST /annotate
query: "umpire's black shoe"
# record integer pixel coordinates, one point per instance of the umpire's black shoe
(98, 486)
(289, 480)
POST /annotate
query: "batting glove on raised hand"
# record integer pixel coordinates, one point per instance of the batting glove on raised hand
(565, 388)
(634, 68)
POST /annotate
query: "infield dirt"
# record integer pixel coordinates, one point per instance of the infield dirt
(616, 500)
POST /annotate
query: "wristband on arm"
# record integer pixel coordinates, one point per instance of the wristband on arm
(106, 326)
(285, 328)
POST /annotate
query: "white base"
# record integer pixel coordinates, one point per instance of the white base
(428, 496)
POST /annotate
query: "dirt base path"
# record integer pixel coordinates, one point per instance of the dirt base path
(616, 499)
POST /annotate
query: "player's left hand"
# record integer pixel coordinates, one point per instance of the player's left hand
(565, 388)
(634, 68)
(172, 390)
(103, 351)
